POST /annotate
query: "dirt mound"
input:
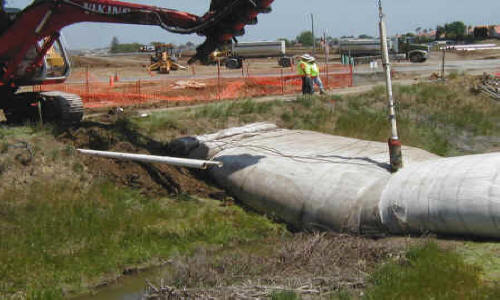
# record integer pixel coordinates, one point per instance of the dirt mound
(480, 54)
(106, 62)
(151, 179)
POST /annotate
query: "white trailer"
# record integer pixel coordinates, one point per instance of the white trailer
(371, 48)
(362, 47)
(264, 49)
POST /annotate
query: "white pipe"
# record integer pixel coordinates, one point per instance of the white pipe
(173, 161)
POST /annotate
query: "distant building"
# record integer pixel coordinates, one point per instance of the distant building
(429, 34)
(496, 31)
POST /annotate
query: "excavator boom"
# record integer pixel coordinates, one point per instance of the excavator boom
(28, 38)
(43, 20)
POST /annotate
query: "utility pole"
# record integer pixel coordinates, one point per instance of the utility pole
(396, 157)
(314, 37)
(327, 57)
(443, 63)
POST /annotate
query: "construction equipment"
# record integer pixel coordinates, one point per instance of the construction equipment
(404, 47)
(490, 86)
(164, 60)
(27, 35)
(147, 48)
(234, 55)
(54, 59)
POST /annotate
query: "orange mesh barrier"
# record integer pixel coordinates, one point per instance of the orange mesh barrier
(100, 93)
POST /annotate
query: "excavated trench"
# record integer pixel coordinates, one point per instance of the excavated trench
(152, 180)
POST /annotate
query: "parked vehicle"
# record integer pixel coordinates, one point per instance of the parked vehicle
(234, 56)
(397, 46)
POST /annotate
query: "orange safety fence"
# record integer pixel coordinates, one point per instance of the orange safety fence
(223, 86)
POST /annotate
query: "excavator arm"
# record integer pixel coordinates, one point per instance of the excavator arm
(37, 27)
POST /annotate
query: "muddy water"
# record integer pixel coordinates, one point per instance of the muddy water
(129, 287)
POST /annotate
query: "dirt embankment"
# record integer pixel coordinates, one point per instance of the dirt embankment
(108, 62)
(151, 179)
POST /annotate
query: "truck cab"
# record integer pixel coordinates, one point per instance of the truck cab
(416, 53)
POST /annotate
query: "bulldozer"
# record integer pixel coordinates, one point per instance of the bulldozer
(28, 35)
(164, 60)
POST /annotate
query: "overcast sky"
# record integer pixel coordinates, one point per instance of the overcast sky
(289, 17)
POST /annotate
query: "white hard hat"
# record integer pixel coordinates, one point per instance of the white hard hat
(306, 57)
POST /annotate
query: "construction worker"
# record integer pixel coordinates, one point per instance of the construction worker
(315, 76)
(304, 71)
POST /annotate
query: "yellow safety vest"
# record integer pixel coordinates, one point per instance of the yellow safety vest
(314, 70)
(303, 68)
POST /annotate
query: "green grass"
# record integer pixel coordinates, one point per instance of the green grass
(484, 254)
(429, 272)
(285, 295)
(438, 117)
(61, 232)
(58, 237)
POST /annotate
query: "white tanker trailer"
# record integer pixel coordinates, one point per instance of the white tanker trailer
(233, 58)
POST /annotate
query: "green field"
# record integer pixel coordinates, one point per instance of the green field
(67, 226)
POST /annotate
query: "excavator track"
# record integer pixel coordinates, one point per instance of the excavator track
(57, 107)
(62, 108)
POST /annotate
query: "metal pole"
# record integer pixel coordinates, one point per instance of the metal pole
(87, 79)
(282, 82)
(396, 157)
(327, 54)
(173, 161)
(443, 64)
(314, 38)
(218, 79)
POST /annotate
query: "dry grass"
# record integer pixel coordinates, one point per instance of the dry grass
(303, 264)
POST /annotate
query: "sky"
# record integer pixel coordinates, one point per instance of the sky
(290, 17)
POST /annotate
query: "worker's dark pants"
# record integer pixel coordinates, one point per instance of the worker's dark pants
(307, 86)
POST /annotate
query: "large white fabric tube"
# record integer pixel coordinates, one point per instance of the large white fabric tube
(459, 196)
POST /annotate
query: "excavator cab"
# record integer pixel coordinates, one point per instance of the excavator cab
(57, 61)
(162, 52)
(32, 53)
(54, 67)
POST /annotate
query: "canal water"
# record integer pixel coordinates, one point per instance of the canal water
(129, 287)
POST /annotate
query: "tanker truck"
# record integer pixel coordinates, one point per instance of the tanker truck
(233, 56)
(404, 48)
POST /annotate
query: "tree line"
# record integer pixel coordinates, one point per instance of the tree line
(456, 31)
(117, 47)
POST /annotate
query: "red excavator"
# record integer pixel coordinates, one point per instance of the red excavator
(26, 36)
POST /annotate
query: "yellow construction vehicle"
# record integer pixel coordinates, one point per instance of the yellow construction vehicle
(54, 59)
(164, 60)
(219, 55)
